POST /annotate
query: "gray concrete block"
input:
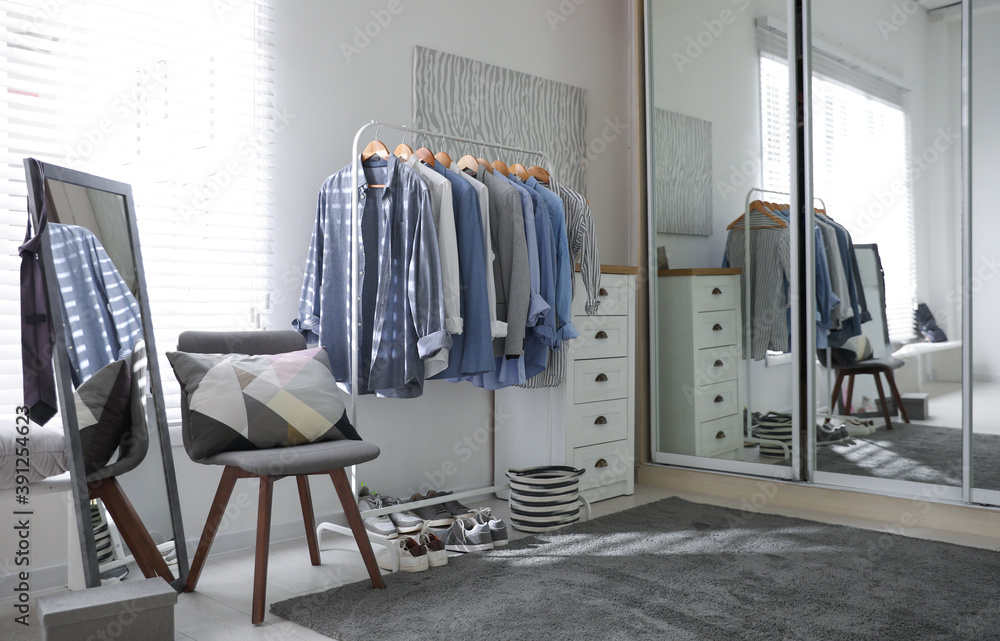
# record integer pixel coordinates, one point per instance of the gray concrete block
(131, 611)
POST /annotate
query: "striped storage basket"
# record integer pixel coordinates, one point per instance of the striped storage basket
(544, 498)
(776, 427)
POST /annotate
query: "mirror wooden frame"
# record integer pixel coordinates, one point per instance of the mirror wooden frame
(64, 388)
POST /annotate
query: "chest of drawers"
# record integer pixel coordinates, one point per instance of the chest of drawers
(588, 421)
(699, 354)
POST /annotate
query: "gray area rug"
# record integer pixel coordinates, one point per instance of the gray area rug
(674, 570)
(913, 452)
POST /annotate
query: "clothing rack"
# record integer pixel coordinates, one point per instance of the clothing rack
(752, 195)
(355, 241)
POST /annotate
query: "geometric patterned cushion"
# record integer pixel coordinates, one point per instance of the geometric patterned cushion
(241, 402)
(104, 412)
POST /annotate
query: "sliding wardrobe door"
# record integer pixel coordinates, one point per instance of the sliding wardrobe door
(886, 169)
(722, 383)
(984, 282)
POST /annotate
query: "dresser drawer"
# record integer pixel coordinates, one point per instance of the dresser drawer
(600, 422)
(613, 294)
(716, 364)
(600, 337)
(717, 400)
(600, 379)
(603, 464)
(714, 293)
(720, 436)
(715, 329)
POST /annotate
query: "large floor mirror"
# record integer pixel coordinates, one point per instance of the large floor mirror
(110, 399)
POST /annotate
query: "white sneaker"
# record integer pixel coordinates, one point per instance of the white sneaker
(412, 556)
(381, 525)
(436, 553)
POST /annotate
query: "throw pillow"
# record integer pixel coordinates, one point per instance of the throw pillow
(242, 402)
(104, 412)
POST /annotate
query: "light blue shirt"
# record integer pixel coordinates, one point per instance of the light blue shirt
(565, 330)
(545, 328)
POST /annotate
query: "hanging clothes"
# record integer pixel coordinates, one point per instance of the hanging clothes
(565, 330)
(402, 312)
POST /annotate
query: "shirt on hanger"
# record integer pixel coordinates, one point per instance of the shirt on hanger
(582, 242)
(565, 330)
(545, 327)
(402, 317)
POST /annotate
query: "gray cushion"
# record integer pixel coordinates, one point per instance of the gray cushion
(313, 458)
(887, 363)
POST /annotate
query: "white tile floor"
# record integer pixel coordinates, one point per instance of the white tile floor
(220, 608)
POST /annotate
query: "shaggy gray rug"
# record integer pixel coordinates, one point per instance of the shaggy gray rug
(674, 570)
(913, 452)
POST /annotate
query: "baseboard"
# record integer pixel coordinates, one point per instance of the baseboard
(55, 576)
(972, 525)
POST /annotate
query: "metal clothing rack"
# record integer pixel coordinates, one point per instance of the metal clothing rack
(355, 242)
(752, 195)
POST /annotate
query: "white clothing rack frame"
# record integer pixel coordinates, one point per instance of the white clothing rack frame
(752, 195)
(389, 544)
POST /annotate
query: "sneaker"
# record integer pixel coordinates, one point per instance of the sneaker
(412, 556)
(436, 515)
(436, 553)
(466, 535)
(829, 433)
(380, 525)
(498, 529)
(405, 522)
(454, 508)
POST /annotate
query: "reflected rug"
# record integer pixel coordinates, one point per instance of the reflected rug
(911, 452)
(678, 570)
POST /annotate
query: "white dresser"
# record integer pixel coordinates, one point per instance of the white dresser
(699, 371)
(588, 422)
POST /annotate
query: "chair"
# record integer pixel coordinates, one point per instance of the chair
(269, 465)
(882, 363)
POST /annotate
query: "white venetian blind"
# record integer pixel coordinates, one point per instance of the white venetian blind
(172, 98)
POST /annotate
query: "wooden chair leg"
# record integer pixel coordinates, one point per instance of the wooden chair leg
(226, 484)
(881, 396)
(350, 506)
(889, 376)
(308, 518)
(263, 543)
(850, 394)
(835, 395)
(131, 528)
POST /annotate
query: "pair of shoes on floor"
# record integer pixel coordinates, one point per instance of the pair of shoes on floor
(831, 433)
(440, 514)
(416, 555)
(391, 525)
(481, 532)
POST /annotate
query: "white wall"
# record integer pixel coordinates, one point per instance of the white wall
(443, 439)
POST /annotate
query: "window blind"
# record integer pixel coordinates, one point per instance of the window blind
(172, 98)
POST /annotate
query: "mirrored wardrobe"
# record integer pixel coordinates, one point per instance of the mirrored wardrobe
(830, 343)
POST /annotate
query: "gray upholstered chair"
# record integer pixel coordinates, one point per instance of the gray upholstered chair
(269, 465)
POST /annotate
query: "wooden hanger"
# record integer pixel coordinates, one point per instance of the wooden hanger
(469, 163)
(424, 155)
(501, 166)
(375, 148)
(485, 163)
(761, 207)
(539, 174)
(443, 158)
(403, 151)
(518, 170)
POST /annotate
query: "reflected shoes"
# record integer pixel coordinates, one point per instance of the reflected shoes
(498, 529)
(380, 525)
(831, 433)
(454, 508)
(436, 515)
(466, 535)
(412, 556)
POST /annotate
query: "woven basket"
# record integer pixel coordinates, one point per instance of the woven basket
(544, 498)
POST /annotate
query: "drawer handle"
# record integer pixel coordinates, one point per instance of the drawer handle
(718, 363)
(601, 335)
(716, 292)
(716, 328)
(600, 420)
(601, 463)
(719, 399)
(720, 435)
(602, 292)
(601, 378)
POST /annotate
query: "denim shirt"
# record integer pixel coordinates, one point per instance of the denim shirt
(545, 326)
(565, 330)
(101, 316)
(402, 306)
(472, 350)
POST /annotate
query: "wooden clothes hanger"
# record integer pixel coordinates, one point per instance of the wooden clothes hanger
(443, 158)
(539, 174)
(502, 167)
(760, 207)
(424, 155)
(518, 170)
(403, 150)
(469, 163)
(375, 148)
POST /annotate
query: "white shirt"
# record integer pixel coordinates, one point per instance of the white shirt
(498, 328)
(444, 219)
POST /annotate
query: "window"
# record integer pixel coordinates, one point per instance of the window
(860, 171)
(172, 98)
